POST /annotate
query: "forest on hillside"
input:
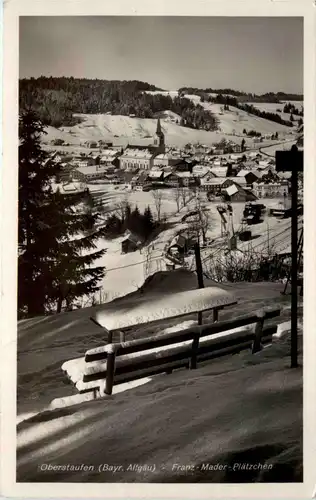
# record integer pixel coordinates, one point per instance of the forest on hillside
(56, 100)
(242, 96)
(230, 100)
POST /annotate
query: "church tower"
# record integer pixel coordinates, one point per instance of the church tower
(159, 138)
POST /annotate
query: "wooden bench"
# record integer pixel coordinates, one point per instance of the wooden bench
(136, 311)
(120, 362)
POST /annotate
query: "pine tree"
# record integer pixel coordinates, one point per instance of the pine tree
(57, 240)
(134, 223)
(148, 222)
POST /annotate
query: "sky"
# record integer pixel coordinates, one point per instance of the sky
(243, 53)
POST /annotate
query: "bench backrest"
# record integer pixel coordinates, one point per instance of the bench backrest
(115, 363)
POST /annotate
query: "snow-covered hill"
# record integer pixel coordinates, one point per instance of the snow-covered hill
(109, 128)
(237, 120)
(112, 127)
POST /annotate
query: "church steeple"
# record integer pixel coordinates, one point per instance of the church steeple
(160, 135)
(159, 131)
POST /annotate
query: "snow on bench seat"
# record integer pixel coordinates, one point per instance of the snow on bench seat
(137, 311)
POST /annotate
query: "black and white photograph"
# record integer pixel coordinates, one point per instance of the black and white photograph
(160, 249)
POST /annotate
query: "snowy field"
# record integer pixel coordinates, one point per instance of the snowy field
(237, 120)
(112, 128)
(273, 108)
(112, 195)
(108, 128)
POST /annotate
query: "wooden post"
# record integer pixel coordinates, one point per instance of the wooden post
(195, 346)
(199, 272)
(294, 281)
(215, 315)
(256, 346)
(122, 336)
(110, 369)
(292, 161)
(110, 337)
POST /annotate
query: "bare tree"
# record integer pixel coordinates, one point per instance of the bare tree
(120, 208)
(177, 197)
(183, 195)
(146, 264)
(200, 221)
(157, 195)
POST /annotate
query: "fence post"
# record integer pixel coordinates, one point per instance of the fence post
(110, 337)
(215, 315)
(110, 369)
(195, 346)
(256, 346)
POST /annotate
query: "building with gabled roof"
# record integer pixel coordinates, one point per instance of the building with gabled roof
(235, 192)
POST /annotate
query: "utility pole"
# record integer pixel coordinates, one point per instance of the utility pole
(292, 161)
(199, 272)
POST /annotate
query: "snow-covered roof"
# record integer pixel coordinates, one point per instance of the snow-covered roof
(271, 183)
(219, 171)
(163, 156)
(133, 238)
(136, 311)
(238, 180)
(285, 175)
(200, 169)
(244, 172)
(214, 180)
(92, 169)
(69, 187)
(137, 153)
(109, 152)
(232, 190)
(155, 174)
(183, 174)
(258, 173)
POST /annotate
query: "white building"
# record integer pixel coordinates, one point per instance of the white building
(212, 184)
(271, 189)
(108, 156)
(136, 158)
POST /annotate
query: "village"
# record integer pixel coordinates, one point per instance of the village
(226, 183)
(148, 164)
(160, 252)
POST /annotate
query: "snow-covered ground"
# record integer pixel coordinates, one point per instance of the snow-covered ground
(273, 108)
(197, 411)
(112, 195)
(237, 120)
(109, 127)
(126, 273)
